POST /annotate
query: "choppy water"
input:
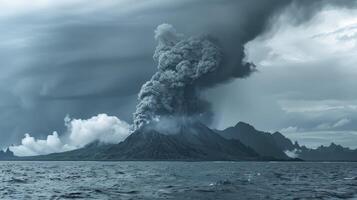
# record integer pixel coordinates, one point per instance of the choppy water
(177, 180)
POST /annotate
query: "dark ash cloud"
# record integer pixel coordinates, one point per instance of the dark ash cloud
(173, 89)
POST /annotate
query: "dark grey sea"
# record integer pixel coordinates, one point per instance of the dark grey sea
(178, 180)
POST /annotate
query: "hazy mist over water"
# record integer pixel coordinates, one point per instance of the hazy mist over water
(178, 180)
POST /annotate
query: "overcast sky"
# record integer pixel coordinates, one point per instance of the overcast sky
(82, 58)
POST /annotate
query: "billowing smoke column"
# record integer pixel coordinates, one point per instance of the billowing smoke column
(186, 65)
(173, 89)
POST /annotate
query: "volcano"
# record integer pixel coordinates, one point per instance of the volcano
(191, 141)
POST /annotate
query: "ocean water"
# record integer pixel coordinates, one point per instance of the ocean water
(178, 180)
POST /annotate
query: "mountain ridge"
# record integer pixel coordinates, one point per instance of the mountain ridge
(6, 154)
(275, 144)
(197, 142)
(262, 142)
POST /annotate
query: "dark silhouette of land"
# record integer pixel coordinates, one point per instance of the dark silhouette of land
(194, 141)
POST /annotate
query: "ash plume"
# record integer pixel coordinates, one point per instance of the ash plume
(188, 64)
(173, 89)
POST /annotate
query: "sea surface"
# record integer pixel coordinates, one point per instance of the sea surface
(178, 180)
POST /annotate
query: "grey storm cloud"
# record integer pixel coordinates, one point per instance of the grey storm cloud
(86, 58)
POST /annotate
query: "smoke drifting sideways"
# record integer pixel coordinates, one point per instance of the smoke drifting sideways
(80, 132)
(173, 91)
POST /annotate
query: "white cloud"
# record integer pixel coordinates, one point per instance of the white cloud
(290, 129)
(102, 128)
(304, 106)
(292, 154)
(31, 146)
(323, 126)
(331, 33)
(314, 139)
(341, 123)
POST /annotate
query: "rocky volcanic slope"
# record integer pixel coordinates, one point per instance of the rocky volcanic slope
(263, 143)
(193, 141)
